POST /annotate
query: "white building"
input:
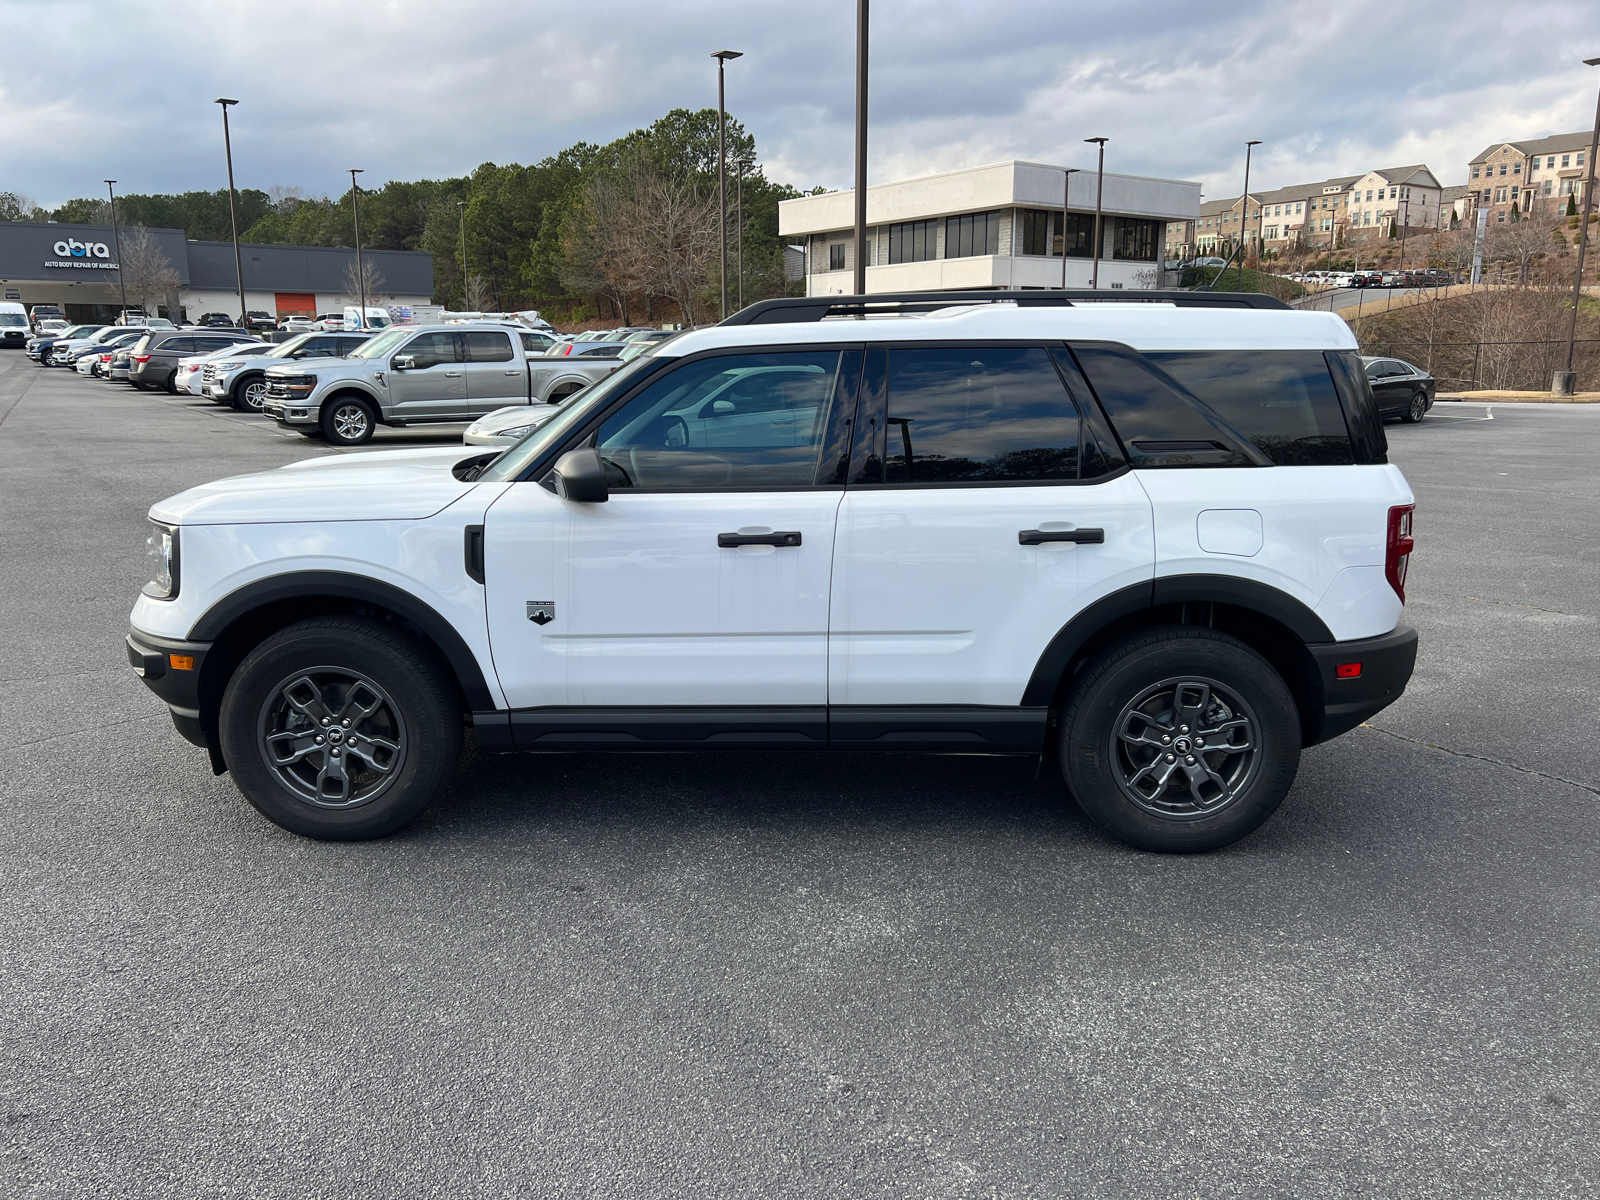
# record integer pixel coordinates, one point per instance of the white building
(998, 226)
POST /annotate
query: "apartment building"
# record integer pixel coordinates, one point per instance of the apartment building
(1541, 171)
(1006, 225)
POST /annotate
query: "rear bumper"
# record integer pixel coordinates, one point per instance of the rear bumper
(1386, 663)
(160, 663)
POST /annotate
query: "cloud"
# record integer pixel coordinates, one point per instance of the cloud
(411, 89)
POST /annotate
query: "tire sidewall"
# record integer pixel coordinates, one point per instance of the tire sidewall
(1128, 668)
(423, 701)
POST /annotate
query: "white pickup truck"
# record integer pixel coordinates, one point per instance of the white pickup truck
(415, 375)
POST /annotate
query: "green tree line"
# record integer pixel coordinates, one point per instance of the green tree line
(554, 234)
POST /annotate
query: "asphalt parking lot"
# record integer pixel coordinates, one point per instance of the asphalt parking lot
(770, 976)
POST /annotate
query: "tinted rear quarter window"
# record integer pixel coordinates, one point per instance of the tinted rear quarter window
(1283, 401)
(1159, 422)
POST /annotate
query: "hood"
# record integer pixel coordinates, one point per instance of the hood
(389, 485)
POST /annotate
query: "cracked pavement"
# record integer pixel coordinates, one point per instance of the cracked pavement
(769, 976)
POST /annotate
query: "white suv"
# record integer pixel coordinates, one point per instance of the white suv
(1157, 541)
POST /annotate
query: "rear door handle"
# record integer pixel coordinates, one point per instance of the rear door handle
(452, 374)
(733, 540)
(1033, 537)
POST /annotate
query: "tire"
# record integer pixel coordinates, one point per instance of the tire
(248, 393)
(1416, 409)
(1125, 701)
(348, 421)
(172, 383)
(313, 673)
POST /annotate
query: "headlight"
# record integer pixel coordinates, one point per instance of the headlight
(161, 547)
(224, 367)
(515, 432)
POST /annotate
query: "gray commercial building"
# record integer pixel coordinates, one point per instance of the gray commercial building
(77, 267)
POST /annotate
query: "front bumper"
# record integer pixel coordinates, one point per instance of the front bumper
(292, 412)
(1385, 662)
(171, 669)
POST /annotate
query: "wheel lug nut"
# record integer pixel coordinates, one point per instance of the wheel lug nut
(1165, 738)
(345, 723)
(1190, 760)
(319, 741)
(1183, 729)
(1172, 758)
(325, 720)
(1199, 741)
(335, 752)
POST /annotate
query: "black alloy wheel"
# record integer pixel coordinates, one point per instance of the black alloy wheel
(1179, 739)
(340, 728)
(1417, 409)
(348, 421)
(250, 393)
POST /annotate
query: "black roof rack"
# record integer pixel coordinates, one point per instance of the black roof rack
(815, 308)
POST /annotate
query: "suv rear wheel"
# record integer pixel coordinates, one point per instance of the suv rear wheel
(1180, 739)
(1417, 409)
(348, 421)
(340, 728)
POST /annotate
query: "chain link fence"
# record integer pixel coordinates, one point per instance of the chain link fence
(1496, 366)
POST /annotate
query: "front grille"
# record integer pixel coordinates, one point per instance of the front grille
(277, 389)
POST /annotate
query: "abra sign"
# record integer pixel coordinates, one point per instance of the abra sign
(73, 253)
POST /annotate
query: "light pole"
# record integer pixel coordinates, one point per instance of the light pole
(1566, 381)
(1066, 192)
(1244, 211)
(722, 57)
(1099, 195)
(462, 205)
(738, 208)
(116, 236)
(861, 147)
(361, 276)
(233, 208)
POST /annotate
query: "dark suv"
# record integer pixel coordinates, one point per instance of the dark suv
(153, 359)
(215, 321)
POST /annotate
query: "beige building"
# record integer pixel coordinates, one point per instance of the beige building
(1543, 172)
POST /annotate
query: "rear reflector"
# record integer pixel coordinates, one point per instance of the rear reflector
(1347, 671)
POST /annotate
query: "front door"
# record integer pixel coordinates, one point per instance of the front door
(983, 513)
(497, 374)
(434, 387)
(703, 580)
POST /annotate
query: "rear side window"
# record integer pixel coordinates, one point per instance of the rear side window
(177, 345)
(141, 345)
(1367, 441)
(978, 415)
(1282, 400)
(1160, 423)
(487, 346)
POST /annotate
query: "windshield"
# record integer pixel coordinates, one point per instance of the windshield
(384, 344)
(13, 320)
(516, 458)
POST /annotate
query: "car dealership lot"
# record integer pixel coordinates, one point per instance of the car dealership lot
(790, 975)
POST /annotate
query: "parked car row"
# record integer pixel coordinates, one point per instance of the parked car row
(1418, 278)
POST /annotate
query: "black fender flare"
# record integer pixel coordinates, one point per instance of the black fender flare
(298, 585)
(1249, 594)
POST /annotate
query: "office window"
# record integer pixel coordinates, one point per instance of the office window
(836, 256)
(1041, 233)
(971, 235)
(914, 241)
(1134, 239)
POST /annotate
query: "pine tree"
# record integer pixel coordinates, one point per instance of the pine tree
(1572, 204)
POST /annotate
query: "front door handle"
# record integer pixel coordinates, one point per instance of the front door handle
(452, 374)
(1033, 537)
(513, 372)
(730, 541)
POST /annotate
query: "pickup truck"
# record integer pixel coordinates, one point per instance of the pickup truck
(415, 375)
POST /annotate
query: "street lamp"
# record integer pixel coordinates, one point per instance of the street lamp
(1244, 210)
(738, 207)
(1566, 381)
(361, 277)
(861, 148)
(233, 208)
(116, 236)
(1099, 195)
(722, 57)
(1066, 192)
(462, 205)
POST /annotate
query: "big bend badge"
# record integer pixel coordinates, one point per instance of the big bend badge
(541, 612)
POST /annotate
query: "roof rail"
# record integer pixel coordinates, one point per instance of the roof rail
(798, 309)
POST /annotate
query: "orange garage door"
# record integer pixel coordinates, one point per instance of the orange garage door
(295, 304)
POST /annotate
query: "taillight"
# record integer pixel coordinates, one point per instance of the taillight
(1397, 555)
(141, 358)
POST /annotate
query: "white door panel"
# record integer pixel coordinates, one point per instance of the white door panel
(936, 602)
(649, 609)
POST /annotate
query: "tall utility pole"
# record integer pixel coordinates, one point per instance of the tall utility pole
(462, 205)
(116, 236)
(1244, 211)
(361, 275)
(738, 206)
(233, 208)
(861, 147)
(1566, 382)
(1066, 193)
(1099, 195)
(722, 57)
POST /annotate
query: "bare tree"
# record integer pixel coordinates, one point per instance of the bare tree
(285, 197)
(1519, 243)
(14, 206)
(353, 280)
(478, 293)
(147, 273)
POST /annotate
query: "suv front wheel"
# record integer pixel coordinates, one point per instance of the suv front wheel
(348, 421)
(1180, 739)
(340, 728)
(249, 393)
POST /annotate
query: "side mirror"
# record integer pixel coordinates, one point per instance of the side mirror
(580, 476)
(403, 362)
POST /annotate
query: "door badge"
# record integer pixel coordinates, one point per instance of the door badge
(541, 612)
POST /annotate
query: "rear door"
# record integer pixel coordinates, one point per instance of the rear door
(434, 386)
(983, 513)
(497, 372)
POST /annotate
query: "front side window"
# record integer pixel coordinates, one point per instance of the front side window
(487, 346)
(972, 235)
(979, 415)
(914, 241)
(730, 423)
(1282, 400)
(432, 350)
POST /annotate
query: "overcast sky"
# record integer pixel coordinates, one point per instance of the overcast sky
(430, 89)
